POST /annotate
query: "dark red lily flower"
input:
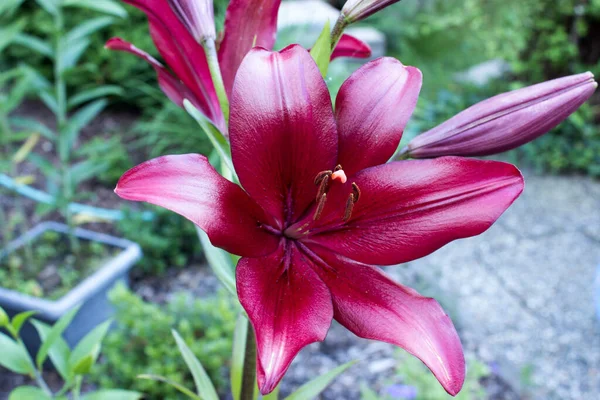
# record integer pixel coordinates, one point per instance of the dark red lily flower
(177, 26)
(320, 209)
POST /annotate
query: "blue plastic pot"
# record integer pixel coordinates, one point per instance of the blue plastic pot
(91, 293)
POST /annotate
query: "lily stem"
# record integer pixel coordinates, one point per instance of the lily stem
(338, 30)
(249, 371)
(215, 72)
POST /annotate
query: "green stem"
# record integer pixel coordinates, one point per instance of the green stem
(338, 30)
(215, 72)
(6, 132)
(60, 88)
(77, 387)
(249, 372)
(39, 379)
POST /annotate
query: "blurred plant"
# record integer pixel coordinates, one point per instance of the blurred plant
(139, 342)
(446, 37)
(64, 49)
(168, 240)
(417, 384)
(72, 365)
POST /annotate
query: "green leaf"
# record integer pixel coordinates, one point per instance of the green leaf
(219, 261)
(14, 357)
(87, 169)
(33, 125)
(89, 346)
(50, 6)
(87, 95)
(50, 101)
(9, 6)
(3, 318)
(28, 393)
(79, 120)
(34, 43)
(54, 335)
(238, 354)
(174, 384)
(87, 28)
(214, 135)
(71, 52)
(313, 388)
(19, 319)
(9, 32)
(59, 352)
(204, 386)
(45, 166)
(84, 366)
(105, 6)
(321, 51)
(113, 394)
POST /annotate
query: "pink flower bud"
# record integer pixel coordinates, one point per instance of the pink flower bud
(506, 121)
(197, 16)
(355, 10)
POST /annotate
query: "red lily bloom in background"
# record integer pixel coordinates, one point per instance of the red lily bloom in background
(175, 31)
(318, 209)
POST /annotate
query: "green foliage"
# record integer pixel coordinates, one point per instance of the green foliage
(169, 240)
(69, 364)
(48, 268)
(412, 372)
(141, 342)
(446, 37)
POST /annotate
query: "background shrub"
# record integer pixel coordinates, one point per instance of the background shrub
(141, 342)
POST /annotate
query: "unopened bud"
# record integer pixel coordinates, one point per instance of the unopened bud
(506, 121)
(355, 10)
(197, 16)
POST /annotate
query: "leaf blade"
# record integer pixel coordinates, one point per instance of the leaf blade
(204, 386)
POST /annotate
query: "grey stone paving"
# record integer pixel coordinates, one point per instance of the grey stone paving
(521, 294)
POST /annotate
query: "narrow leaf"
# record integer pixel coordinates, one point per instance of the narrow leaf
(50, 101)
(19, 319)
(14, 357)
(33, 125)
(26, 148)
(49, 5)
(174, 384)
(204, 386)
(219, 261)
(321, 51)
(54, 334)
(113, 394)
(105, 6)
(59, 353)
(28, 393)
(92, 94)
(71, 52)
(237, 358)
(34, 43)
(87, 28)
(89, 345)
(313, 388)
(9, 32)
(81, 118)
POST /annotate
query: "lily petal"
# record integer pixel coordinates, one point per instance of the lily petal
(409, 209)
(183, 55)
(188, 185)
(282, 130)
(372, 109)
(372, 306)
(288, 305)
(349, 46)
(170, 85)
(248, 23)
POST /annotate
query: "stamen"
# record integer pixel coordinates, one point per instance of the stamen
(349, 206)
(322, 175)
(322, 187)
(320, 206)
(355, 192)
(337, 168)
